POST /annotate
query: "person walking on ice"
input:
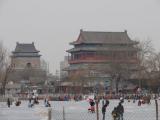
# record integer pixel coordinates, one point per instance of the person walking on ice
(46, 103)
(104, 108)
(120, 110)
(8, 102)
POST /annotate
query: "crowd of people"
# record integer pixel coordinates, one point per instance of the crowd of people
(69, 98)
(32, 101)
(118, 111)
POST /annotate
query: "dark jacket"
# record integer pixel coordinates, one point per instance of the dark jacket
(104, 108)
(92, 103)
(107, 102)
(120, 109)
(8, 102)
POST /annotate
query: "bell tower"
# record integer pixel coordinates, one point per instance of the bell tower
(25, 55)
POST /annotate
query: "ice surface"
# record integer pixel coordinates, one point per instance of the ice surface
(75, 111)
(20, 113)
(78, 111)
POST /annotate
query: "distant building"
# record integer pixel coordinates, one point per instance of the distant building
(26, 66)
(25, 55)
(94, 51)
(63, 65)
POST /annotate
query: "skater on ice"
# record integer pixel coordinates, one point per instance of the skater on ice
(92, 106)
(8, 102)
(18, 103)
(30, 104)
(36, 100)
(120, 110)
(104, 106)
(121, 100)
(139, 103)
(46, 103)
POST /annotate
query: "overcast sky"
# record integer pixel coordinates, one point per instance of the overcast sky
(52, 24)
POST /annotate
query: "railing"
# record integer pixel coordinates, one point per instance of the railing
(92, 60)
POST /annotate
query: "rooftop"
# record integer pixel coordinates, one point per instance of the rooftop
(25, 48)
(96, 37)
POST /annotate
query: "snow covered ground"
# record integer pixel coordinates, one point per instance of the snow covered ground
(75, 111)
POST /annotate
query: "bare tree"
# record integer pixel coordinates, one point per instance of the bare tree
(5, 67)
(146, 56)
(2, 57)
(146, 51)
(153, 70)
(148, 65)
(78, 78)
(119, 72)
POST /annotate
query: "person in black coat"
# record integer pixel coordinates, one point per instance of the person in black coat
(104, 108)
(8, 102)
(120, 110)
(104, 111)
(18, 103)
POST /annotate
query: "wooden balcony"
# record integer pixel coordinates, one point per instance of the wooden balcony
(85, 61)
(101, 60)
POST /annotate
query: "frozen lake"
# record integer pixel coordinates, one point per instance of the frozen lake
(75, 111)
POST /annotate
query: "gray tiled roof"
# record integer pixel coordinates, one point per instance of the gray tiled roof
(103, 37)
(25, 48)
(102, 49)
